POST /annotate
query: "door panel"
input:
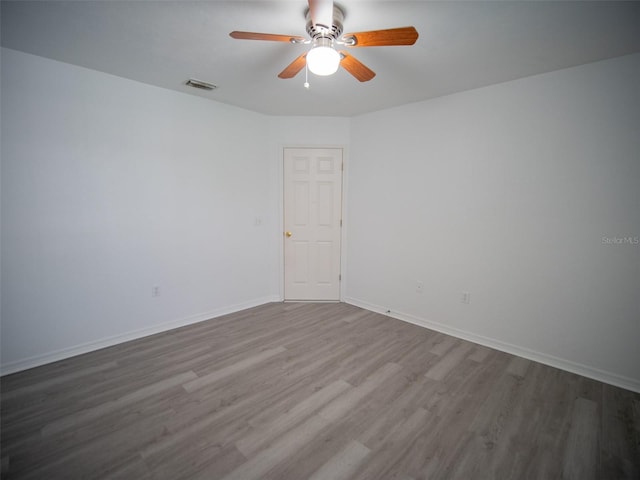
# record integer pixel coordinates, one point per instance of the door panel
(312, 214)
(301, 204)
(300, 262)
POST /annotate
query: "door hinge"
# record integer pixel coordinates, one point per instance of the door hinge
(340, 277)
(340, 222)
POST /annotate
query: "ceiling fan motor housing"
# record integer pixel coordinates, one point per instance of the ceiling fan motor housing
(334, 31)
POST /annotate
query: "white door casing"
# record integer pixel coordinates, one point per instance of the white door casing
(312, 223)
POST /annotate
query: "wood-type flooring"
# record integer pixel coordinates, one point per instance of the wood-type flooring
(312, 391)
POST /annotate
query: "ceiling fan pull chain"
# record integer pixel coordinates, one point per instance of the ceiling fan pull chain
(306, 76)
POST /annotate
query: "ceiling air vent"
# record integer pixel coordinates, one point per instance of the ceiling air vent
(200, 84)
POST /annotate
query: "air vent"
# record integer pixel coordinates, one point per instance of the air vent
(200, 84)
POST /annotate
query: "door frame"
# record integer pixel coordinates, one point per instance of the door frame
(343, 237)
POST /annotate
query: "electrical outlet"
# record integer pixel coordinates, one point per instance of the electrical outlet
(155, 291)
(465, 298)
(420, 288)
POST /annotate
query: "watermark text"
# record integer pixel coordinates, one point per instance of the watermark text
(622, 240)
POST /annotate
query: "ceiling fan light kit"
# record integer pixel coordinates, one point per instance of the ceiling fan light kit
(323, 59)
(325, 27)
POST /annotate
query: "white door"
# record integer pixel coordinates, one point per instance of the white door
(312, 223)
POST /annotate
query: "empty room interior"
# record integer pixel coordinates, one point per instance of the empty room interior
(291, 239)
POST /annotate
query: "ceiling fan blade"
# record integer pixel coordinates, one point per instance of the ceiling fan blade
(321, 12)
(266, 36)
(381, 38)
(294, 67)
(356, 68)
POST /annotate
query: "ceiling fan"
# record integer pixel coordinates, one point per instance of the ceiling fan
(324, 26)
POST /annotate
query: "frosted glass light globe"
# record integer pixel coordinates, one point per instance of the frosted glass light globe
(323, 60)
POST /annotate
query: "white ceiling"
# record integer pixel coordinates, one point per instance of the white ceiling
(462, 45)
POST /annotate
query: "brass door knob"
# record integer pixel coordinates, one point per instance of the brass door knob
(288, 234)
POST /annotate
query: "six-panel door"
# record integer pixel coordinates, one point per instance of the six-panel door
(312, 223)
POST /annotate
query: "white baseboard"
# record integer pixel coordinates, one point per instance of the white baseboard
(561, 363)
(36, 361)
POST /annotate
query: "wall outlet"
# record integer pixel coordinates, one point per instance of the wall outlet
(419, 287)
(155, 291)
(465, 298)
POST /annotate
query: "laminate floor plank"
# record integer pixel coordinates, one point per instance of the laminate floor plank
(350, 400)
(76, 419)
(200, 381)
(443, 344)
(86, 393)
(480, 353)
(204, 461)
(91, 456)
(455, 404)
(581, 452)
(72, 410)
(620, 434)
(347, 423)
(260, 464)
(232, 403)
(386, 459)
(54, 383)
(360, 423)
(408, 397)
(254, 441)
(350, 424)
(525, 415)
(497, 408)
(518, 366)
(301, 382)
(308, 390)
(449, 361)
(355, 316)
(343, 465)
(417, 358)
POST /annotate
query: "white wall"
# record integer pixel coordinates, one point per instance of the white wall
(110, 187)
(507, 192)
(309, 132)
